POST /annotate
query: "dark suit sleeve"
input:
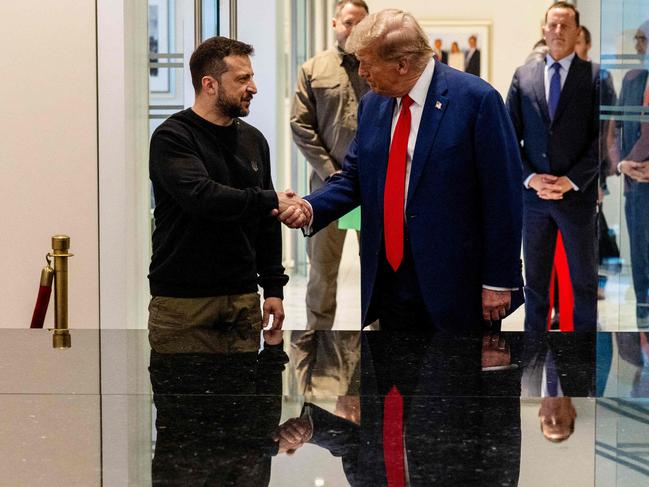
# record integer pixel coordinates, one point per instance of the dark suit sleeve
(341, 193)
(332, 432)
(499, 171)
(587, 167)
(516, 115)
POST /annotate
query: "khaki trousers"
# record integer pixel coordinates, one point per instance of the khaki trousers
(220, 324)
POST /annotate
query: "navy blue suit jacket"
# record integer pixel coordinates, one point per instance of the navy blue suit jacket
(567, 145)
(463, 209)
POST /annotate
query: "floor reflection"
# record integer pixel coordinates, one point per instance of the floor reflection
(216, 416)
(329, 409)
(414, 409)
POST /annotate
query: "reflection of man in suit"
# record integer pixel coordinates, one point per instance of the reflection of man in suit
(447, 433)
(557, 416)
(554, 106)
(436, 171)
(633, 143)
(441, 54)
(472, 59)
(559, 364)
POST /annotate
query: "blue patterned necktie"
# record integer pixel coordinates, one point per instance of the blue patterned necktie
(555, 90)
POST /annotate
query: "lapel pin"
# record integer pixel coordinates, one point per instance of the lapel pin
(438, 105)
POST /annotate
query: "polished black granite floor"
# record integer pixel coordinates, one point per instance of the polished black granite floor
(325, 409)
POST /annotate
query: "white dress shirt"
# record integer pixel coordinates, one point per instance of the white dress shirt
(549, 72)
(418, 94)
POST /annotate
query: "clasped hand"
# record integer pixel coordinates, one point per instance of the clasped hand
(293, 434)
(292, 210)
(549, 187)
(636, 170)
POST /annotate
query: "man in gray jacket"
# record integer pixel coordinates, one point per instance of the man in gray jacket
(323, 122)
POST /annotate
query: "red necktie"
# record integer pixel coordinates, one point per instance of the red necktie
(395, 187)
(645, 102)
(393, 438)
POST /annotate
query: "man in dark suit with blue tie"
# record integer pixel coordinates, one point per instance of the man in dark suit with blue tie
(436, 170)
(553, 104)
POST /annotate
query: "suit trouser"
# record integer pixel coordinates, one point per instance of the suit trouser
(541, 221)
(326, 362)
(325, 250)
(636, 208)
(574, 355)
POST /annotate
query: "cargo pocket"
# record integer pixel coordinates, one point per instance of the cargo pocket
(243, 335)
(167, 322)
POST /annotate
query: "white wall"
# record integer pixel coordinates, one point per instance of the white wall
(48, 153)
(516, 27)
(124, 202)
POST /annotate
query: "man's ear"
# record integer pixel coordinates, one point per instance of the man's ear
(210, 86)
(403, 65)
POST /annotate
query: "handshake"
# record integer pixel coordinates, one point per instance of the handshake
(293, 434)
(292, 210)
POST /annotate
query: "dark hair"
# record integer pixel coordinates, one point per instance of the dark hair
(586, 32)
(208, 58)
(567, 5)
(357, 3)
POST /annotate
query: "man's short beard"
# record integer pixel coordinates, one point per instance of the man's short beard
(228, 107)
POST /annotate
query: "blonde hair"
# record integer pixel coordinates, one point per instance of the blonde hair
(392, 35)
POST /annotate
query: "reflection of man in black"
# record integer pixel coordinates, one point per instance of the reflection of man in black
(216, 415)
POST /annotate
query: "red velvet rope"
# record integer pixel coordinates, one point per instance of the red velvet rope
(40, 310)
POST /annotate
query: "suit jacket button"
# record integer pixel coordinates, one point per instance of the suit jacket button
(545, 156)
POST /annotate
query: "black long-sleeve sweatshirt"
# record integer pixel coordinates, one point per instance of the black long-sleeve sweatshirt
(213, 193)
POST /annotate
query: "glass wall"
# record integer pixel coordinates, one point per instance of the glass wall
(624, 240)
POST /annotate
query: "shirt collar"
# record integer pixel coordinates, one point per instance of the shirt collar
(419, 92)
(565, 62)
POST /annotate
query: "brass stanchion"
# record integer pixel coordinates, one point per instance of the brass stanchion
(60, 254)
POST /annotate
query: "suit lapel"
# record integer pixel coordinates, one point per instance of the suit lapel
(539, 90)
(578, 70)
(383, 138)
(431, 118)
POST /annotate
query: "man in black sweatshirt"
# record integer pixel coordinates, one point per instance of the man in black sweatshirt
(215, 239)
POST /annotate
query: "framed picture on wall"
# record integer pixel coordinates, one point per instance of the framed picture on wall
(462, 44)
(159, 36)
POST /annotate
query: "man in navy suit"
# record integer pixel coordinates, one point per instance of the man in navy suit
(436, 170)
(553, 104)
